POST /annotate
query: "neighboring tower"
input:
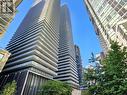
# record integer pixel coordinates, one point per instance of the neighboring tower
(67, 68)
(109, 18)
(6, 18)
(4, 55)
(79, 63)
(34, 48)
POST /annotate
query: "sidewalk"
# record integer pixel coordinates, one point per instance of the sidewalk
(76, 92)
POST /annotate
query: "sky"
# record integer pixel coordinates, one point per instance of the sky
(83, 31)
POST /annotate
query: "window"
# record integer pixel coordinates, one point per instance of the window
(100, 9)
(114, 13)
(104, 3)
(124, 0)
(108, 18)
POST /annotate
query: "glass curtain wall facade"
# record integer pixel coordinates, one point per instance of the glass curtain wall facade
(67, 67)
(34, 49)
(79, 64)
(109, 18)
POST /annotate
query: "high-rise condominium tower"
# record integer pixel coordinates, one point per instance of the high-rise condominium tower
(34, 48)
(79, 63)
(109, 18)
(67, 68)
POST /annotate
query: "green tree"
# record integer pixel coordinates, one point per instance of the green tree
(56, 88)
(112, 79)
(115, 71)
(89, 76)
(9, 88)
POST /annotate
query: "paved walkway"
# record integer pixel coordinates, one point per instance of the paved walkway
(76, 92)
